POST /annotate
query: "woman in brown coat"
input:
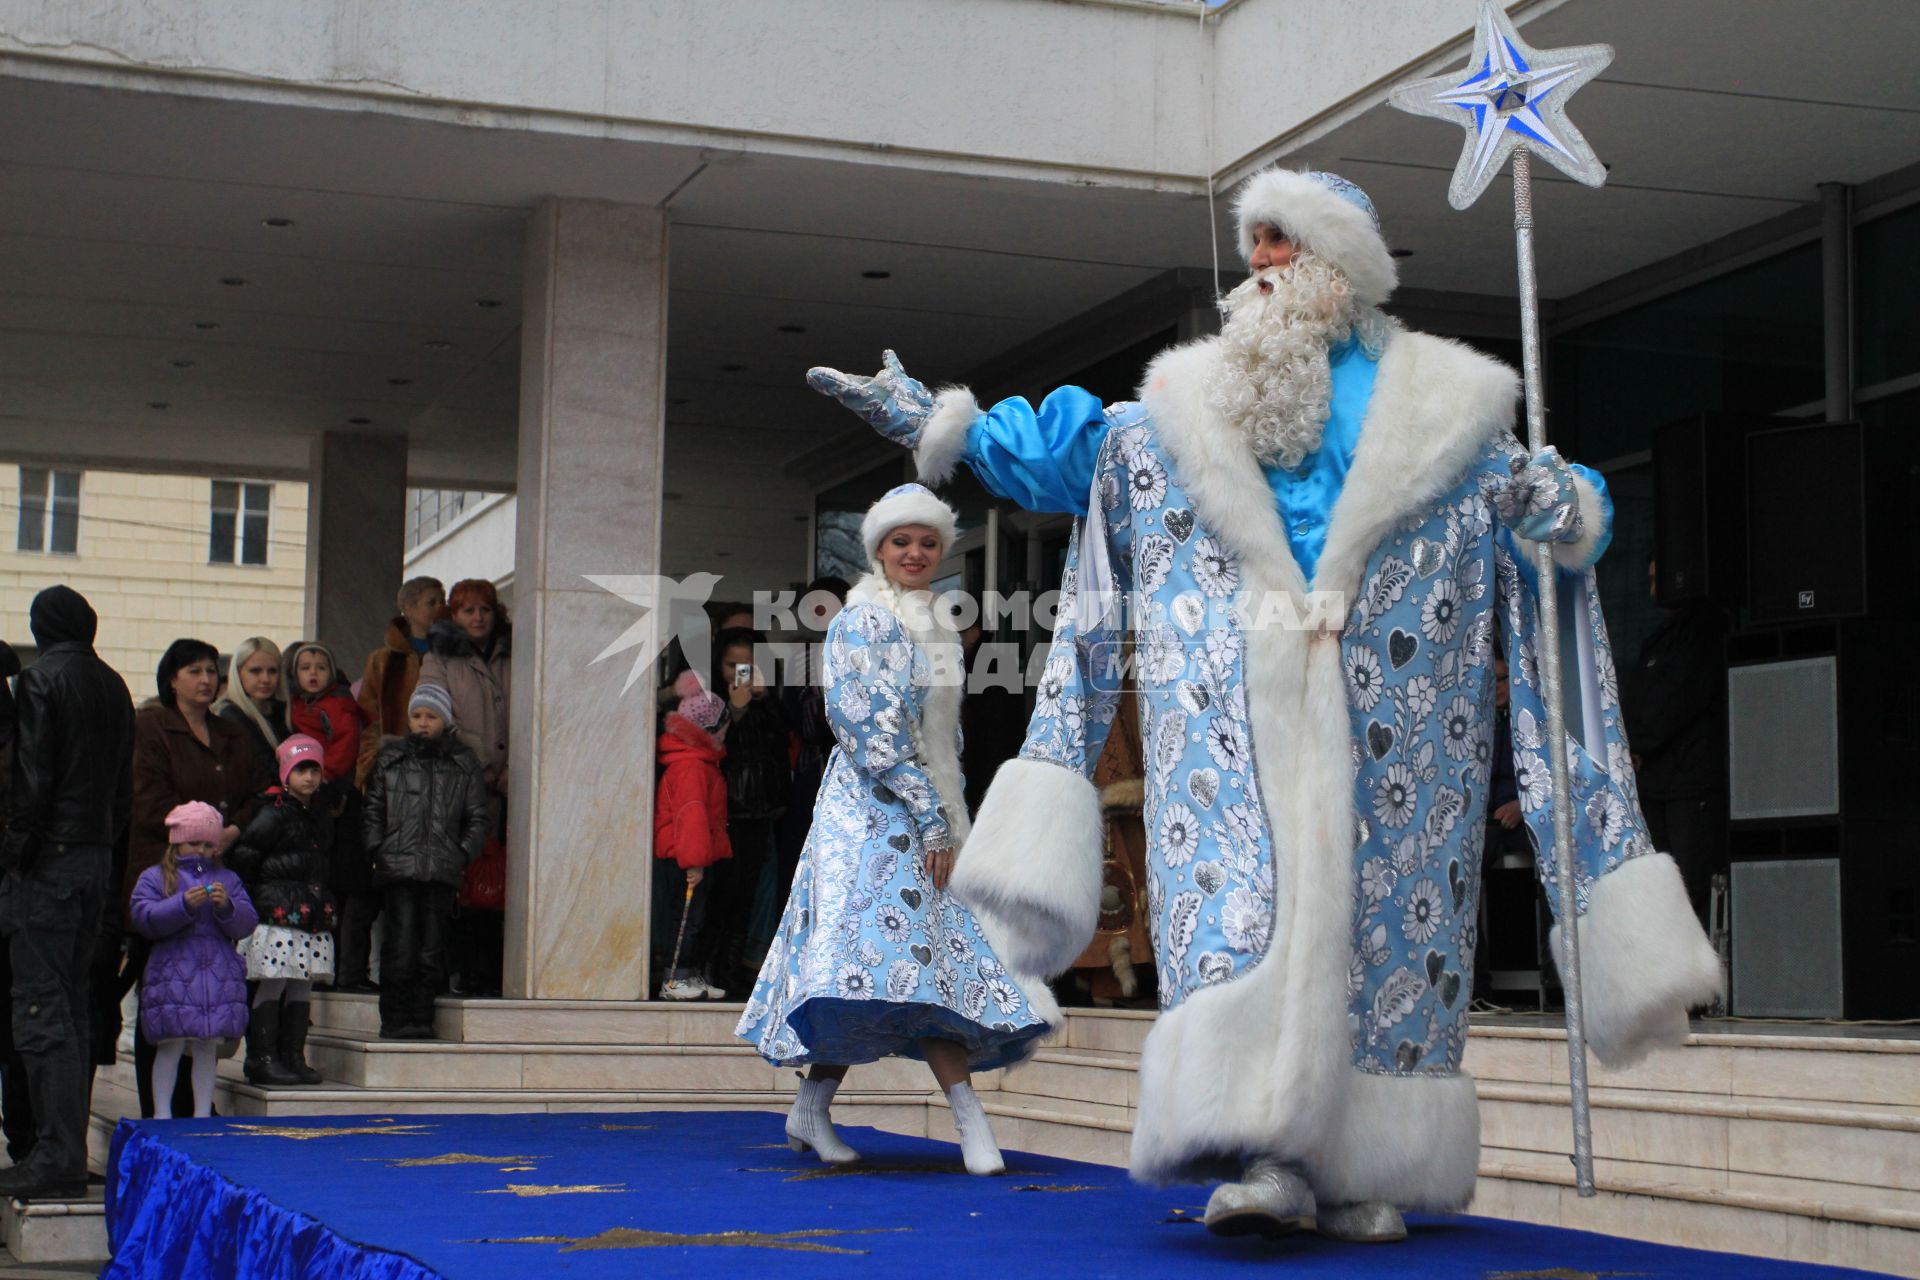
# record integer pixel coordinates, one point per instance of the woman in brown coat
(394, 668)
(470, 655)
(182, 752)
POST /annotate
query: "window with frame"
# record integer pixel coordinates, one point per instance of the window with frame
(49, 511)
(237, 532)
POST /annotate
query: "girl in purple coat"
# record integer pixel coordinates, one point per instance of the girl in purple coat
(194, 992)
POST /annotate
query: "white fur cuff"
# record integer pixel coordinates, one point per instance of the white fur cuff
(944, 438)
(1644, 961)
(1033, 864)
(1596, 528)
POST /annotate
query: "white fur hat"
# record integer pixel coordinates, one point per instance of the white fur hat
(1327, 216)
(907, 504)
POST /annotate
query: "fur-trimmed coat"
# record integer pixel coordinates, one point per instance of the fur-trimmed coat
(1317, 761)
(870, 956)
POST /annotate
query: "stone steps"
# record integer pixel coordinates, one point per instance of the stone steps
(55, 1230)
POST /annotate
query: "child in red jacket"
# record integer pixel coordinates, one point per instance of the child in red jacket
(689, 829)
(320, 705)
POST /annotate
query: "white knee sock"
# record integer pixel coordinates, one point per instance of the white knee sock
(206, 1057)
(267, 992)
(166, 1066)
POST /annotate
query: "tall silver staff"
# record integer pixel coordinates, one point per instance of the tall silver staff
(1511, 99)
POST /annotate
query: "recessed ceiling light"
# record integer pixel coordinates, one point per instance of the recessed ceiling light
(276, 222)
(206, 324)
(158, 404)
(1400, 253)
(876, 275)
(793, 328)
(487, 303)
(359, 422)
(233, 282)
(732, 368)
(399, 382)
(181, 364)
(438, 344)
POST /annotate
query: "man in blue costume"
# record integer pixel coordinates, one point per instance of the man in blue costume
(1315, 526)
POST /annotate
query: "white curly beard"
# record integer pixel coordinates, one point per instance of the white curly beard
(1273, 380)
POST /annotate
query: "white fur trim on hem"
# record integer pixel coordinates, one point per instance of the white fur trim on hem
(1032, 865)
(943, 440)
(1644, 961)
(1410, 1141)
(1322, 223)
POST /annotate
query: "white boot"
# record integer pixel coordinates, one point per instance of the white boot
(977, 1146)
(810, 1128)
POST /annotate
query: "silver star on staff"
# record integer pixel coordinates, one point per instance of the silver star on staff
(1510, 95)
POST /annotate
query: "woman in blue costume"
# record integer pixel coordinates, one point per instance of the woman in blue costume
(874, 958)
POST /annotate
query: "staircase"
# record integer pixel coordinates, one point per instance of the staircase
(1771, 1140)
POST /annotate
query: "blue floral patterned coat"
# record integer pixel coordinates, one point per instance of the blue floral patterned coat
(1318, 756)
(870, 957)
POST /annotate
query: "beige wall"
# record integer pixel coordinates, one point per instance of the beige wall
(142, 563)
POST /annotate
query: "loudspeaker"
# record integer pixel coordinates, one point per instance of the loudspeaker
(1787, 908)
(1699, 509)
(1824, 695)
(1807, 511)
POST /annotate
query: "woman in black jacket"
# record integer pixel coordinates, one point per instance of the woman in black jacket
(254, 700)
(426, 820)
(283, 858)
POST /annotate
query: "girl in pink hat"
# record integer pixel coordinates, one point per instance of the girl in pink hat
(194, 991)
(284, 857)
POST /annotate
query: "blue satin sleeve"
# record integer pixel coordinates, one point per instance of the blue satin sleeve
(1042, 459)
(1599, 483)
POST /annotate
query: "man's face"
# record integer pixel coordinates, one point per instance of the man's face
(419, 612)
(1271, 251)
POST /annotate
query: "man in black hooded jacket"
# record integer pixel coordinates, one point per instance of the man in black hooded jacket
(70, 801)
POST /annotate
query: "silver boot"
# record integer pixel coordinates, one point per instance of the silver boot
(810, 1128)
(1365, 1222)
(1271, 1199)
(977, 1147)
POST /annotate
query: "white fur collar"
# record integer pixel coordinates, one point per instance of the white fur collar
(1436, 405)
(936, 734)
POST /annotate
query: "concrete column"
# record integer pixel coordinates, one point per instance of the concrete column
(592, 373)
(356, 531)
(1836, 289)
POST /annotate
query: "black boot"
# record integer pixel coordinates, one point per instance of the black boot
(263, 1048)
(293, 1041)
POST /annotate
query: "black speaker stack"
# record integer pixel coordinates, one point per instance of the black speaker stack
(1806, 536)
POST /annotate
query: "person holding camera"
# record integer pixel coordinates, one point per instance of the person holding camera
(758, 786)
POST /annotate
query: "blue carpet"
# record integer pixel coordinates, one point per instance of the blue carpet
(690, 1194)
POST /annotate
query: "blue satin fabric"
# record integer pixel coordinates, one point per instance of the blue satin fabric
(1307, 493)
(1044, 459)
(1041, 459)
(169, 1217)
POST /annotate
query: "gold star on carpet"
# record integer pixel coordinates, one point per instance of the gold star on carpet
(634, 1238)
(452, 1157)
(623, 1128)
(307, 1133)
(526, 1190)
